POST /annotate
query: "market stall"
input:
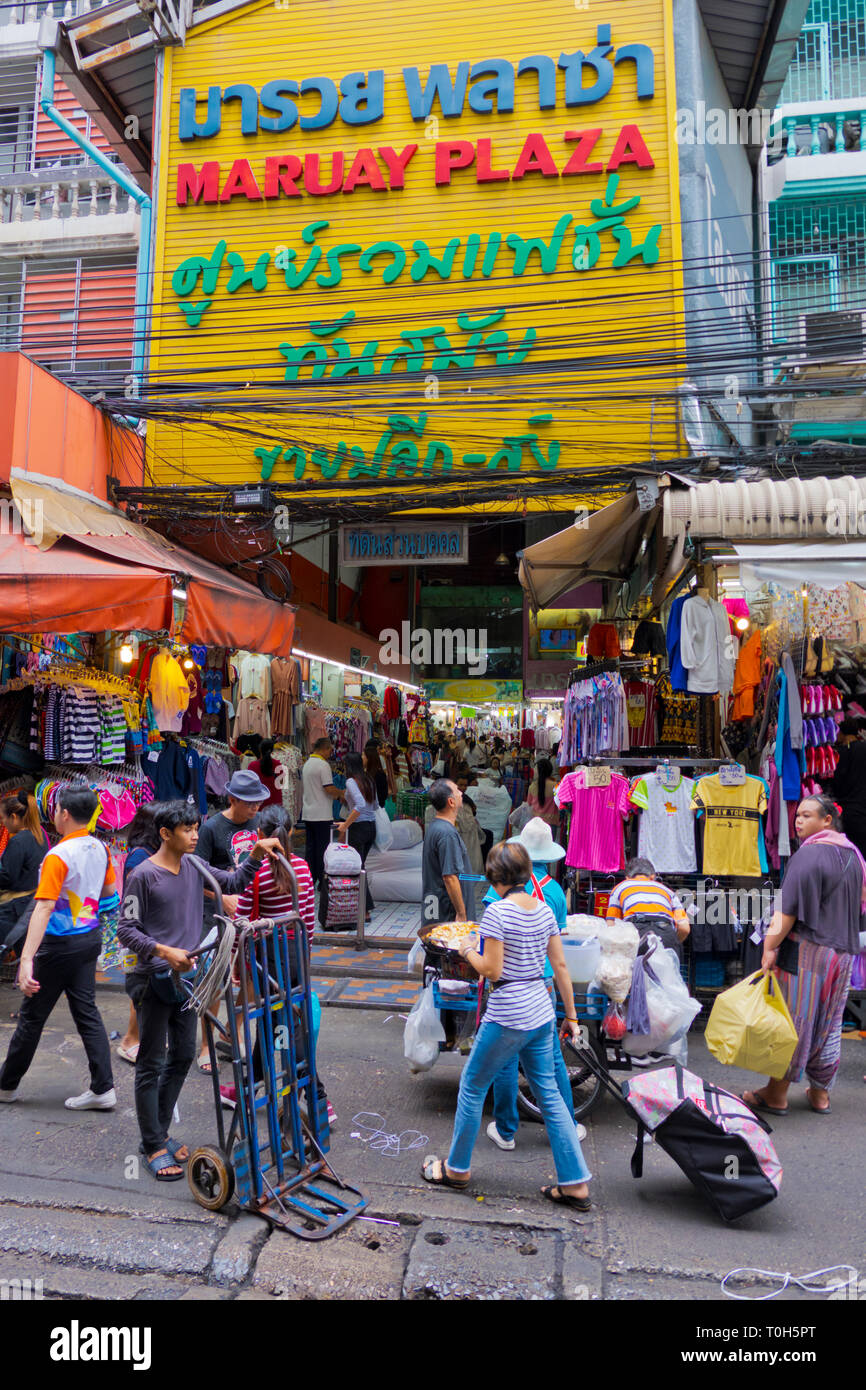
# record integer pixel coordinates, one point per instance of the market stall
(729, 652)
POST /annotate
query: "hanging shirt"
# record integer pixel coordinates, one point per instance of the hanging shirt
(733, 838)
(666, 833)
(191, 722)
(706, 647)
(640, 709)
(595, 836)
(253, 717)
(678, 714)
(747, 678)
(649, 639)
(254, 676)
(679, 679)
(169, 692)
(602, 641)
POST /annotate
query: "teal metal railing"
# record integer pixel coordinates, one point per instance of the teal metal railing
(822, 132)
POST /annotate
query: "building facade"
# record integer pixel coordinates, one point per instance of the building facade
(68, 234)
(813, 186)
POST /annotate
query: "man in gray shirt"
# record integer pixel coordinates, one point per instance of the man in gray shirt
(161, 921)
(444, 858)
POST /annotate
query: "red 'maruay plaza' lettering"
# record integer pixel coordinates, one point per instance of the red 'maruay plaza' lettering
(384, 169)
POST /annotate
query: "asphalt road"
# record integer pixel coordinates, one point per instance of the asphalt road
(78, 1212)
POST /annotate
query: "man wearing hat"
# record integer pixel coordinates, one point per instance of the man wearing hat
(224, 841)
(537, 839)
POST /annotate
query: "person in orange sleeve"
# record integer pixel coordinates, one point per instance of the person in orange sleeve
(747, 678)
(61, 950)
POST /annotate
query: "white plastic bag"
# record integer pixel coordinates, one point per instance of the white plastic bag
(384, 834)
(423, 1033)
(581, 926)
(670, 1007)
(342, 860)
(613, 977)
(618, 938)
(415, 959)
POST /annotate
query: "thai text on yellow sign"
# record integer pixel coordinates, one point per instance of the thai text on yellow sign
(405, 252)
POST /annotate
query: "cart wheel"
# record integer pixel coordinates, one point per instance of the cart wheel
(211, 1177)
(585, 1085)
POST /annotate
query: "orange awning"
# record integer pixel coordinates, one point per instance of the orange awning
(221, 609)
(70, 589)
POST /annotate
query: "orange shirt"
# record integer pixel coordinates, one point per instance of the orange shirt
(747, 678)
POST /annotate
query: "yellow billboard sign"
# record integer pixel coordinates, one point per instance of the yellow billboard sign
(396, 257)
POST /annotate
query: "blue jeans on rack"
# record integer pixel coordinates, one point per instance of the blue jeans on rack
(494, 1047)
(505, 1093)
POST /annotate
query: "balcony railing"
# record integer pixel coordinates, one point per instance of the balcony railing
(819, 132)
(86, 196)
(58, 9)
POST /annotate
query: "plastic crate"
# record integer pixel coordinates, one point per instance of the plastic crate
(460, 1004)
(709, 974)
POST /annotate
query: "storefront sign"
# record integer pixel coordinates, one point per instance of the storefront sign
(404, 545)
(398, 235)
(475, 692)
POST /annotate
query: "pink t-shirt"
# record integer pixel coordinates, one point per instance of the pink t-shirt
(595, 838)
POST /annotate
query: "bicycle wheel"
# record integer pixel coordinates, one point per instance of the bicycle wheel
(585, 1085)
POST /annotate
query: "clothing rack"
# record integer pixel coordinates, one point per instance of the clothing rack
(593, 668)
(74, 674)
(612, 760)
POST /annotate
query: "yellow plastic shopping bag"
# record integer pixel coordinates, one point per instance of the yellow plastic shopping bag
(750, 1027)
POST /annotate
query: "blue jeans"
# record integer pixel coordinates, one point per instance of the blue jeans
(495, 1046)
(505, 1093)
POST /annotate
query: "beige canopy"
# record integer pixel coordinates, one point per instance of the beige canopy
(602, 546)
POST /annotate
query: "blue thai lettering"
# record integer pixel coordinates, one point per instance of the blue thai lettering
(451, 92)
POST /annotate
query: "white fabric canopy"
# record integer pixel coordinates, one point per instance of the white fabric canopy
(819, 562)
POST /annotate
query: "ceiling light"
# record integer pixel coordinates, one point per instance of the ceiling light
(126, 654)
(742, 624)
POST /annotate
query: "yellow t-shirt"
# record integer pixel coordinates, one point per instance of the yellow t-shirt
(732, 833)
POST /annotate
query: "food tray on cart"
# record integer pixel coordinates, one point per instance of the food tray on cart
(444, 957)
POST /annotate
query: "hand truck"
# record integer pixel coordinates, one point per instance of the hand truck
(273, 1152)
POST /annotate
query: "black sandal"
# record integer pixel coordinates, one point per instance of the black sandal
(443, 1179)
(158, 1165)
(562, 1199)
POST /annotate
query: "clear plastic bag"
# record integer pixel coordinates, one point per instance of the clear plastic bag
(415, 958)
(617, 938)
(670, 1007)
(613, 976)
(423, 1033)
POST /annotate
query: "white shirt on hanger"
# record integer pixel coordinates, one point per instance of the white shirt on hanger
(707, 647)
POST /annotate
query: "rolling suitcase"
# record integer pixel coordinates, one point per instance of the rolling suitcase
(721, 1146)
(340, 905)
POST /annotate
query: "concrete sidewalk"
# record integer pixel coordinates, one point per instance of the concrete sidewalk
(78, 1210)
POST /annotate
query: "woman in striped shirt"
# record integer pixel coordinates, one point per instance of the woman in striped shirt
(519, 933)
(270, 895)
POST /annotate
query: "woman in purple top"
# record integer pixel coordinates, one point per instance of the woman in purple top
(823, 901)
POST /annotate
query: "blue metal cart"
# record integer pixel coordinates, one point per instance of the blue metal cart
(273, 1151)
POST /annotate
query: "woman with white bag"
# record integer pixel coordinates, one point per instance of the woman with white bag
(359, 827)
